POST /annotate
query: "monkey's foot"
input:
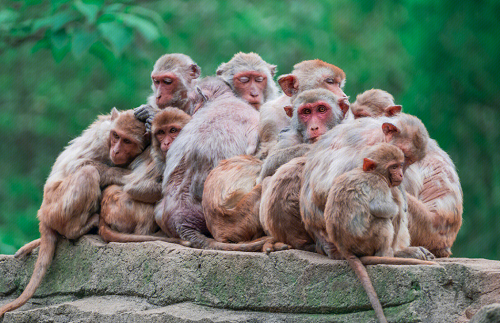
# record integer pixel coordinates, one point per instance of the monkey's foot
(415, 252)
(441, 253)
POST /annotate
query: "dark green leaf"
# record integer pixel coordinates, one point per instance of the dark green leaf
(118, 35)
(81, 41)
(89, 10)
(146, 28)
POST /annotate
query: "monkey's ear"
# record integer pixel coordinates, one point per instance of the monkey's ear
(389, 130)
(343, 105)
(288, 110)
(200, 92)
(393, 110)
(195, 71)
(273, 69)
(289, 84)
(221, 69)
(369, 165)
(114, 114)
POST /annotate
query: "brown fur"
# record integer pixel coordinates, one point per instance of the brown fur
(127, 213)
(374, 103)
(306, 75)
(72, 192)
(224, 127)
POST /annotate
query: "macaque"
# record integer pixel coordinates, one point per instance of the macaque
(435, 198)
(224, 127)
(250, 77)
(374, 103)
(313, 113)
(72, 192)
(127, 213)
(307, 75)
(363, 214)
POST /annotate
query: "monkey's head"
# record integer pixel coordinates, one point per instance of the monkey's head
(409, 134)
(387, 161)
(172, 78)
(206, 90)
(166, 126)
(315, 112)
(312, 74)
(374, 103)
(127, 137)
(250, 77)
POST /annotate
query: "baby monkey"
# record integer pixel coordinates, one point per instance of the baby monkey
(362, 213)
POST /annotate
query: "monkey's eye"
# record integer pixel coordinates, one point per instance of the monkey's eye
(259, 79)
(306, 111)
(156, 81)
(329, 80)
(173, 130)
(160, 132)
(244, 79)
(115, 135)
(322, 109)
(167, 80)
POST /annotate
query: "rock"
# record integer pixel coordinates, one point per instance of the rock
(90, 281)
(488, 314)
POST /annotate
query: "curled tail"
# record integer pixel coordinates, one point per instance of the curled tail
(199, 240)
(110, 235)
(48, 242)
(360, 271)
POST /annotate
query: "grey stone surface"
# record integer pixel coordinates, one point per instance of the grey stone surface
(488, 314)
(90, 281)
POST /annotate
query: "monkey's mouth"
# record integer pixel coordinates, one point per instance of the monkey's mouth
(396, 183)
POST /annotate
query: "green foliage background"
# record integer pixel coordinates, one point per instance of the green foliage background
(64, 62)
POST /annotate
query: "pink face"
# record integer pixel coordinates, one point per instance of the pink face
(166, 85)
(250, 86)
(123, 149)
(395, 172)
(334, 85)
(166, 135)
(315, 117)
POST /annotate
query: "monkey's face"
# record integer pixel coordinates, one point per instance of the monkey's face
(315, 117)
(166, 86)
(250, 86)
(123, 148)
(165, 136)
(334, 84)
(395, 172)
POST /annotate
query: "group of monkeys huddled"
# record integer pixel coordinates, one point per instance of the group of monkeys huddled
(228, 162)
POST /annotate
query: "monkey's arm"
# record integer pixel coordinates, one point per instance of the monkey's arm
(383, 208)
(280, 157)
(146, 114)
(111, 175)
(148, 191)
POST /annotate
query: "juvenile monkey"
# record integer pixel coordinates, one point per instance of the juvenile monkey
(72, 192)
(306, 75)
(250, 77)
(127, 212)
(313, 112)
(374, 103)
(363, 214)
(435, 198)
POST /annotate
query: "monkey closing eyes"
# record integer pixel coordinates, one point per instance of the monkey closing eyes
(250, 77)
(374, 103)
(362, 214)
(307, 75)
(127, 213)
(72, 192)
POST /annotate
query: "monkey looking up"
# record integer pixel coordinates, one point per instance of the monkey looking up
(374, 103)
(250, 77)
(72, 192)
(361, 213)
(127, 212)
(306, 75)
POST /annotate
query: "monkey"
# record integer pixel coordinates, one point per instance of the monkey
(338, 150)
(362, 213)
(435, 197)
(127, 213)
(313, 113)
(374, 103)
(225, 126)
(250, 77)
(72, 192)
(173, 81)
(306, 75)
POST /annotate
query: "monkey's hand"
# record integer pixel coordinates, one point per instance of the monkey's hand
(146, 114)
(415, 252)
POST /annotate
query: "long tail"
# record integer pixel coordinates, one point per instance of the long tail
(374, 260)
(111, 235)
(360, 271)
(27, 248)
(48, 242)
(199, 240)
